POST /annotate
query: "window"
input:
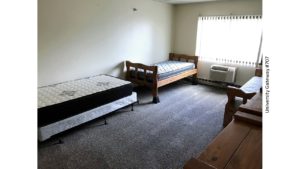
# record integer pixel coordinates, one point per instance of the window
(230, 39)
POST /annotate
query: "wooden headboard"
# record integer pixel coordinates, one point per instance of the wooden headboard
(182, 57)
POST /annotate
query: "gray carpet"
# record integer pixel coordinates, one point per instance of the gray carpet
(158, 136)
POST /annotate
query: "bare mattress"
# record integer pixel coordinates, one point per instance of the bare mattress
(63, 101)
(167, 69)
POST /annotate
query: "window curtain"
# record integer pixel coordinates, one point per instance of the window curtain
(230, 39)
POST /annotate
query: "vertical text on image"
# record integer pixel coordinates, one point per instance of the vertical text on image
(267, 84)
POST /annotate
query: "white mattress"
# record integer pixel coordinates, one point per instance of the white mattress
(62, 92)
(53, 94)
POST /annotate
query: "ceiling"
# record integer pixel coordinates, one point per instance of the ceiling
(184, 1)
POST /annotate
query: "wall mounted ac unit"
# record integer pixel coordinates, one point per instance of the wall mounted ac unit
(222, 73)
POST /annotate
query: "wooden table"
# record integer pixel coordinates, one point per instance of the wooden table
(238, 146)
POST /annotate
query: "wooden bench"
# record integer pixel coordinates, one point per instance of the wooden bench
(247, 91)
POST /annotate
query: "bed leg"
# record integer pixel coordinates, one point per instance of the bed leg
(58, 142)
(132, 107)
(105, 122)
(155, 94)
(155, 99)
(194, 80)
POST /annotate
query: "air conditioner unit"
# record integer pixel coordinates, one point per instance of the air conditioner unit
(222, 73)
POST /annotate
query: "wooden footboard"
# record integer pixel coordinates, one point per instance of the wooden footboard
(149, 72)
(148, 75)
(143, 75)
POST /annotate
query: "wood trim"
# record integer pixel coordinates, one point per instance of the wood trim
(248, 118)
(177, 77)
(237, 92)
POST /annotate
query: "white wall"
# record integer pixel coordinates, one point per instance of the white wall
(185, 23)
(78, 38)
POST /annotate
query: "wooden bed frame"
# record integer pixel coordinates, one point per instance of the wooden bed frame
(252, 88)
(155, 83)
